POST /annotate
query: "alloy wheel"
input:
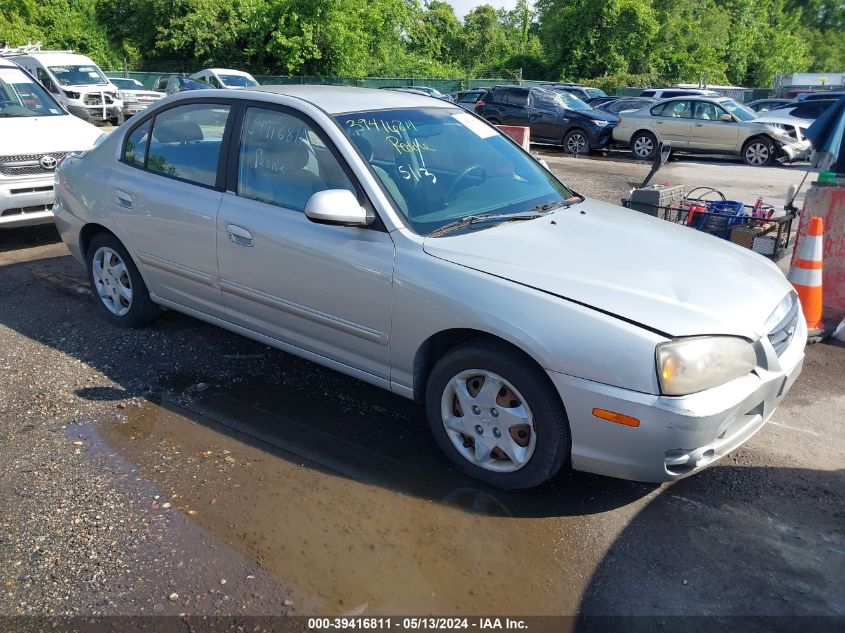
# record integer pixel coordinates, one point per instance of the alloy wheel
(757, 153)
(576, 143)
(112, 281)
(488, 421)
(643, 147)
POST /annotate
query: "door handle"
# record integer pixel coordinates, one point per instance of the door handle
(239, 235)
(659, 122)
(699, 124)
(124, 199)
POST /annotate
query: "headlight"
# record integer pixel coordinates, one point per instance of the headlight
(694, 364)
(72, 95)
(600, 122)
(118, 95)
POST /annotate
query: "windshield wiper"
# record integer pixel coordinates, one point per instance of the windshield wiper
(482, 219)
(551, 206)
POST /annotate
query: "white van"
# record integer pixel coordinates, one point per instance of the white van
(36, 133)
(77, 82)
(225, 78)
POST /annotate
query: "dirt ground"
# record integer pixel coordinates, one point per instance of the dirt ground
(183, 469)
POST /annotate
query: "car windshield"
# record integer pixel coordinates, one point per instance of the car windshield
(570, 101)
(237, 81)
(79, 75)
(595, 92)
(412, 152)
(21, 96)
(128, 84)
(741, 112)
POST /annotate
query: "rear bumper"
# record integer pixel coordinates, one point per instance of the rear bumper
(676, 436)
(26, 201)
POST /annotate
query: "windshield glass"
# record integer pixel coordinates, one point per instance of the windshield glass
(595, 92)
(412, 152)
(237, 81)
(20, 96)
(739, 111)
(79, 75)
(570, 101)
(128, 84)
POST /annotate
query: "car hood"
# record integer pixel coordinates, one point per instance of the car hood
(44, 134)
(599, 115)
(662, 276)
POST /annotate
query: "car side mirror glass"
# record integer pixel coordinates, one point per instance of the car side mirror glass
(726, 117)
(337, 206)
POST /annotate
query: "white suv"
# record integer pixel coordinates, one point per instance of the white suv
(36, 133)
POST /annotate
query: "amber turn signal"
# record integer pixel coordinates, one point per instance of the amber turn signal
(612, 416)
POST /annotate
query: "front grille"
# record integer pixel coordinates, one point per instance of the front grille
(783, 332)
(24, 210)
(27, 164)
(97, 98)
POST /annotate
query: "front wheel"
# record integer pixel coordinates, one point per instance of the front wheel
(497, 416)
(759, 152)
(119, 291)
(577, 142)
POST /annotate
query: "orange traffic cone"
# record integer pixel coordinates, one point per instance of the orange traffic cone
(806, 276)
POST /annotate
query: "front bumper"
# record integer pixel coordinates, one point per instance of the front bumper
(796, 151)
(601, 137)
(26, 201)
(677, 435)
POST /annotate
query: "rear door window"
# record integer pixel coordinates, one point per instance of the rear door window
(517, 97)
(186, 142)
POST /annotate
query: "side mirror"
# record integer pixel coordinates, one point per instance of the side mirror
(726, 117)
(337, 206)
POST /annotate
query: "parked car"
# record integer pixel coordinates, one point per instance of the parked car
(595, 102)
(225, 78)
(538, 327)
(557, 118)
(824, 94)
(36, 133)
(468, 99)
(577, 90)
(809, 110)
(706, 125)
(77, 82)
(668, 93)
(135, 96)
(764, 105)
(181, 83)
(624, 104)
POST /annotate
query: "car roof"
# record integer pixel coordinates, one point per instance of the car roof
(338, 99)
(230, 71)
(7, 63)
(58, 58)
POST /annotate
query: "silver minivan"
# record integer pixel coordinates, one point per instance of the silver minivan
(404, 241)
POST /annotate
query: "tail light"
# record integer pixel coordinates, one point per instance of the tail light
(479, 103)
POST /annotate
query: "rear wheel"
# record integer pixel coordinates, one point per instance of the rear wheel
(644, 145)
(759, 152)
(577, 142)
(119, 291)
(497, 416)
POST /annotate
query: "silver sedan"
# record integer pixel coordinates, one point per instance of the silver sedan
(404, 241)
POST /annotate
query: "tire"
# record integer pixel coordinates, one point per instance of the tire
(117, 120)
(758, 152)
(526, 428)
(577, 142)
(111, 272)
(644, 146)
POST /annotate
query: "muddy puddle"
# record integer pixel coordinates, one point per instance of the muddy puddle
(345, 497)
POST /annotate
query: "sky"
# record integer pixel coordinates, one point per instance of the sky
(462, 7)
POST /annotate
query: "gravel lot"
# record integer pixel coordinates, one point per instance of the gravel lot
(183, 469)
